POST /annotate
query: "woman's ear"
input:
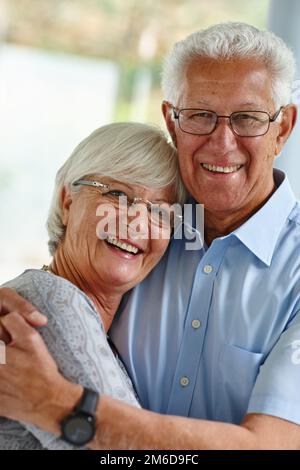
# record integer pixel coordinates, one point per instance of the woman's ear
(167, 111)
(287, 124)
(65, 202)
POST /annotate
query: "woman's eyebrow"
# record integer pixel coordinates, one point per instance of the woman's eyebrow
(156, 201)
(122, 184)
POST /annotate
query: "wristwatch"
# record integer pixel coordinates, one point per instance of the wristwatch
(78, 428)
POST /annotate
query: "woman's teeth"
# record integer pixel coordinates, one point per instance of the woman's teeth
(221, 169)
(122, 245)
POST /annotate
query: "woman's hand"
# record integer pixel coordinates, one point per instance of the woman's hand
(31, 387)
(10, 301)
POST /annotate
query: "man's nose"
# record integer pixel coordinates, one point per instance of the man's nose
(223, 136)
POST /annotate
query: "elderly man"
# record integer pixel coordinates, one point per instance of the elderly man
(211, 334)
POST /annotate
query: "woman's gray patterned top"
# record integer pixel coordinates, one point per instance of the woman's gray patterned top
(77, 341)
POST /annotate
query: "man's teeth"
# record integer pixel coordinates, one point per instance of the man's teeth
(122, 245)
(221, 169)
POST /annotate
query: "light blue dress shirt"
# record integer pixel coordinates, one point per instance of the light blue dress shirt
(215, 333)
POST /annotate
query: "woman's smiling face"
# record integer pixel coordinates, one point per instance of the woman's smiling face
(91, 238)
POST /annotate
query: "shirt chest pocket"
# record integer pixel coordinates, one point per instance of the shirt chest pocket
(237, 372)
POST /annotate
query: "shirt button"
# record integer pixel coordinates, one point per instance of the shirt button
(184, 381)
(196, 324)
(207, 269)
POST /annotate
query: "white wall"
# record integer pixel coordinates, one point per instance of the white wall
(284, 20)
(48, 103)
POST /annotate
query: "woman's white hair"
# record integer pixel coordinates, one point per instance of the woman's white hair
(232, 41)
(130, 152)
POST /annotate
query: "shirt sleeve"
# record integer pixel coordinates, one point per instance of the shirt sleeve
(276, 390)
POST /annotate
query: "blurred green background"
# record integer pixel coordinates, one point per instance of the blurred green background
(134, 34)
(67, 67)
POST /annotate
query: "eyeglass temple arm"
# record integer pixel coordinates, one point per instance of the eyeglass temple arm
(95, 184)
(175, 113)
(276, 114)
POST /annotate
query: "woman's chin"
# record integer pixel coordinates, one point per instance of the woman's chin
(122, 272)
(123, 280)
(122, 268)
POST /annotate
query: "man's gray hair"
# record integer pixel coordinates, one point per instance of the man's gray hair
(232, 41)
(130, 152)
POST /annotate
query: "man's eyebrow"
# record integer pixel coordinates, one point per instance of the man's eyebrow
(248, 103)
(203, 102)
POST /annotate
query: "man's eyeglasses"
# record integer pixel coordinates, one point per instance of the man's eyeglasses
(242, 123)
(161, 215)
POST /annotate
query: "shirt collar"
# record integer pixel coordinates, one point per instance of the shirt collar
(192, 224)
(260, 233)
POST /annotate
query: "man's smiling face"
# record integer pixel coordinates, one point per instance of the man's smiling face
(226, 87)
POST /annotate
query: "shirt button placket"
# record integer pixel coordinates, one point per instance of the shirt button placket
(184, 381)
(208, 269)
(196, 324)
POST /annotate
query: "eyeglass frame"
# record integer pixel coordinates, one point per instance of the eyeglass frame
(176, 115)
(132, 201)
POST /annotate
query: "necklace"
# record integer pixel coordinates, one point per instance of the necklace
(46, 268)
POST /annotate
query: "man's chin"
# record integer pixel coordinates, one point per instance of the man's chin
(221, 208)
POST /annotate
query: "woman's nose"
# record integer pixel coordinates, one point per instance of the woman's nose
(138, 221)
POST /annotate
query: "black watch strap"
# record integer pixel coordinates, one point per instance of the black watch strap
(88, 402)
(78, 428)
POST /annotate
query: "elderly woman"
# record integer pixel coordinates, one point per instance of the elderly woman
(109, 224)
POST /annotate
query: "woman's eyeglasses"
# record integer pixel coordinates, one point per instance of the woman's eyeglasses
(161, 215)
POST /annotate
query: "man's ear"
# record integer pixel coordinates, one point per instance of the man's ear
(65, 203)
(167, 111)
(287, 124)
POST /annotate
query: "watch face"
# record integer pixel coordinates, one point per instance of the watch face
(78, 430)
